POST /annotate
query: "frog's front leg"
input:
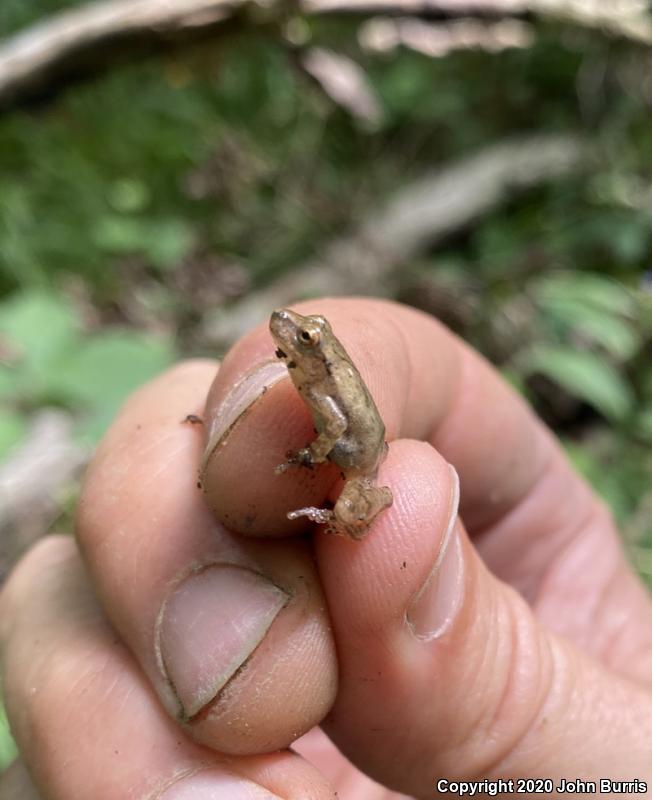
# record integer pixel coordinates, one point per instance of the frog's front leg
(357, 506)
(333, 426)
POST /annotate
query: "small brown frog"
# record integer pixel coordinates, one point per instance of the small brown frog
(350, 431)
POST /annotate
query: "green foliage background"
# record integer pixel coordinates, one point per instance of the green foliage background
(134, 206)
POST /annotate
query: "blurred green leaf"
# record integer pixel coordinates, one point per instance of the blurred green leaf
(630, 240)
(597, 308)
(643, 423)
(617, 335)
(39, 326)
(583, 375)
(7, 746)
(51, 361)
(127, 195)
(8, 382)
(102, 371)
(585, 288)
(164, 242)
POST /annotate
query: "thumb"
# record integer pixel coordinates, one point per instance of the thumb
(446, 674)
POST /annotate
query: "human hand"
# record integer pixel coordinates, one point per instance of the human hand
(514, 644)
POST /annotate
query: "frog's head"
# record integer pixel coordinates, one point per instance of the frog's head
(300, 340)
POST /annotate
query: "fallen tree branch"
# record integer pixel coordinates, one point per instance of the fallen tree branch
(626, 19)
(436, 39)
(420, 216)
(92, 38)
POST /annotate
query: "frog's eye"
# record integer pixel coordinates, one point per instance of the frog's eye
(309, 336)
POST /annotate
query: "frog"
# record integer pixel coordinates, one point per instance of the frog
(350, 431)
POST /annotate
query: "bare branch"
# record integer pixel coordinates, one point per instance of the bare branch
(86, 40)
(627, 19)
(435, 39)
(438, 8)
(346, 83)
(417, 218)
(78, 42)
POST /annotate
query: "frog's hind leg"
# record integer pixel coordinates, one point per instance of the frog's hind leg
(358, 505)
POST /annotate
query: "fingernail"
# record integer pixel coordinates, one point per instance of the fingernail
(436, 603)
(210, 625)
(239, 398)
(216, 786)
